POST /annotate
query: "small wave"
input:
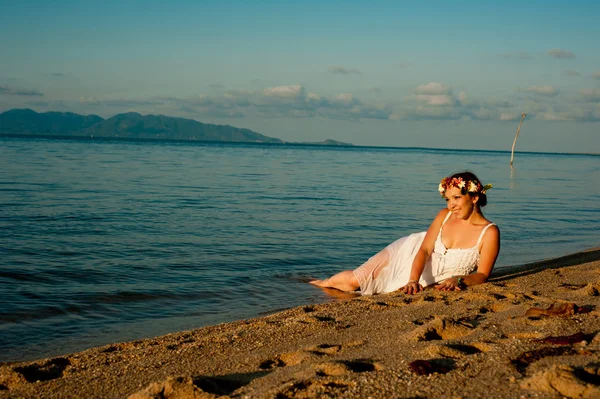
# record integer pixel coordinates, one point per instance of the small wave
(97, 304)
(23, 276)
(299, 279)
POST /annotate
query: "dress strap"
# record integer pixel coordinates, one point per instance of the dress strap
(445, 220)
(443, 223)
(483, 232)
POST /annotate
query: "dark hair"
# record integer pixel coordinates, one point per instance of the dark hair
(466, 175)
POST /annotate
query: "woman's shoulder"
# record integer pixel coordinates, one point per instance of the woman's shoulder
(439, 219)
(442, 214)
(491, 232)
(488, 224)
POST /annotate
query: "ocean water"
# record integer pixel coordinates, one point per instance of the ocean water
(105, 241)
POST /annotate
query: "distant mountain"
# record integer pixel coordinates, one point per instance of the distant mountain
(128, 125)
(27, 121)
(134, 125)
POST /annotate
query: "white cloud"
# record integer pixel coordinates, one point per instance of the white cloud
(570, 72)
(284, 91)
(312, 97)
(590, 95)
(520, 55)
(547, 91)
(433, 88)
(431, 101)
(13, 91)
(513, 116)
(339, 70)
(449, 113)
(561, 54)
(551, 116)
(291, 101)
(89, 100)
(439, 99)
(345, 98)
(435, 94)
(446, 106)
(581, 114)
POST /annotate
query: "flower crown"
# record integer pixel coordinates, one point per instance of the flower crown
(466, 186)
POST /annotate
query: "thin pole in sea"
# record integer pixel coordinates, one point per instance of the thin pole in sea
(512, 153)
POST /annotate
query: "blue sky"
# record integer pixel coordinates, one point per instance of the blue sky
(392, 73)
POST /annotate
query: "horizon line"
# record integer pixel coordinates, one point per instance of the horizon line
(290, 143)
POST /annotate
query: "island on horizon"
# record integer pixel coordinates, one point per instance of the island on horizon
(130, 125)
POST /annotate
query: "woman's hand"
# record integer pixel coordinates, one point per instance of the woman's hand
(412, 287)
(450, 284)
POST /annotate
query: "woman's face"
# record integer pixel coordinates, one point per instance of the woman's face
(460, 205)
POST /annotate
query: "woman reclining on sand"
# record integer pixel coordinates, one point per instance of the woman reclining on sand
(459, 241)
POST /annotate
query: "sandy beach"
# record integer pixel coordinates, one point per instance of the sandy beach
(530, 332)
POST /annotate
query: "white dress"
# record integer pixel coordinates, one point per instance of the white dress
(392, 266)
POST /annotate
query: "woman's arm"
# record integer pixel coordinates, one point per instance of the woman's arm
(488, 255)
(487, 258)
(424, 253)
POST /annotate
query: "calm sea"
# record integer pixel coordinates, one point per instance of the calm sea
(107, 241)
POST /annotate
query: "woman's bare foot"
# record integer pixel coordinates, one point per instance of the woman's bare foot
(343, 281)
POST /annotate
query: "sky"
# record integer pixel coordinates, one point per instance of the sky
(441, 74)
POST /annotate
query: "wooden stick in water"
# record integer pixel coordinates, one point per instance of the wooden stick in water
(512, 154)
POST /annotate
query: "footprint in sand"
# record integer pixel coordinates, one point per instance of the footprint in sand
(314, 388)
(497, 296)
(325, 318)
(500, 307)
(294, 358)
(592, 289)
(570, 382)
(382, 305)
(443, 329)
(454, 351)
(341, 367)
(571, 287)
(420, 322)
(198, 387)
(527, 297)
(325, 349)
(323, 385)
(426, 367)
(523, 361)
(311, 316)
(43, 371)
(52, 369)
(110, 349)
(285, 359)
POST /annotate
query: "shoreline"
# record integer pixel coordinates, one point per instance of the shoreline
(362, 346)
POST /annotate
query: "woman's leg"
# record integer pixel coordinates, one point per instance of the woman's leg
(348, 281)
(344, 281)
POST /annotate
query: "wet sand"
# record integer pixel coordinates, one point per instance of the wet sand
(530, 332)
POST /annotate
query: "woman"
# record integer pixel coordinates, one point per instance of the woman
(459, 241)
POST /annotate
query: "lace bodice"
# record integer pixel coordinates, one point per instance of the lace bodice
(455, 261)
